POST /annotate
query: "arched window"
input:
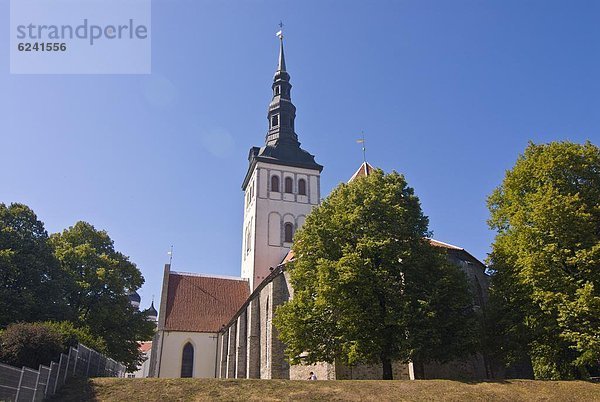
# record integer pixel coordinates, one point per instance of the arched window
(302, 187)
(289, 185)
(288, 232)
(275, 183)
(187, 361)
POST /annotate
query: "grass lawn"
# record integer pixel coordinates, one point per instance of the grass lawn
(150, 389)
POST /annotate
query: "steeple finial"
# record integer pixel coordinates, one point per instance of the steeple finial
(281, 65)
(361, 141)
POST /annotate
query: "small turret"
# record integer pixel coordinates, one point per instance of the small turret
(152, 313)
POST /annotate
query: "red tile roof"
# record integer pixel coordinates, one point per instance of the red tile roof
(145, 346)
(364, 170)
(198, 303)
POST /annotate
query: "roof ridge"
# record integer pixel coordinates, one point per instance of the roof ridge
(228, 277)
(446, 244)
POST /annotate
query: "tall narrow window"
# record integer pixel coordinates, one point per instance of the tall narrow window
(289, 185)
(275, 183)
(302, 187)
(288, 232)
(187, 361)
(277, 90)
(275, 121)
(267, 322)
(248, 239)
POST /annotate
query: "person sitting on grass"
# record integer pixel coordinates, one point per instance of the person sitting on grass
(312, 377)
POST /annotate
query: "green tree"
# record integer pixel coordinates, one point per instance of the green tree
(546, 293)
(31, 282)
(100, 280)
(30, 344)
(72, 335)
(33, 343)
(368, 286)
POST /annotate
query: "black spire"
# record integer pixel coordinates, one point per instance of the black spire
(281, 66)
(282, 111)
(281, 145)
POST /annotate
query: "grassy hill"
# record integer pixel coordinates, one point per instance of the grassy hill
(116, 389)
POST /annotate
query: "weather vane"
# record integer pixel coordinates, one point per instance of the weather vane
(364, 148)
(280, 32)
(170, 253)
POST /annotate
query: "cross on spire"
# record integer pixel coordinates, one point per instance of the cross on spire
(281, 64)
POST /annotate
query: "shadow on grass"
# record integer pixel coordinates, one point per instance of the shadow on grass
(78, 389)
(510, 380)
(482, 381)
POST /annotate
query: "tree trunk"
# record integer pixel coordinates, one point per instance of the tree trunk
(387, 368)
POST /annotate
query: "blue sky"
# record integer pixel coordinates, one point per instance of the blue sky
(447, 92)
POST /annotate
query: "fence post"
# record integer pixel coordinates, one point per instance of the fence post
(37, 383)
(48, 381)
(62, 356)
(87, 370)
(67, 368)
(76, 358)
(19, 386)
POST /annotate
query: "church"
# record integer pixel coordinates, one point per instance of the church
(213, 326)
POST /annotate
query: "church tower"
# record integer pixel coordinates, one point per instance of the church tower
(281, 186)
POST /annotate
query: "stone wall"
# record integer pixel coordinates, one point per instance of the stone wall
(371, 372)
(475, 271)
(279, 292)
(323, 371)
(249, 346)
(253, 340)
(241, 342)
(472, 368)
(266, 312)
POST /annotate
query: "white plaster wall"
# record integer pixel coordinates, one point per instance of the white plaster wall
(274, 229)
(144, 369)
(205, 350)
(259, 215)
(257, 178)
